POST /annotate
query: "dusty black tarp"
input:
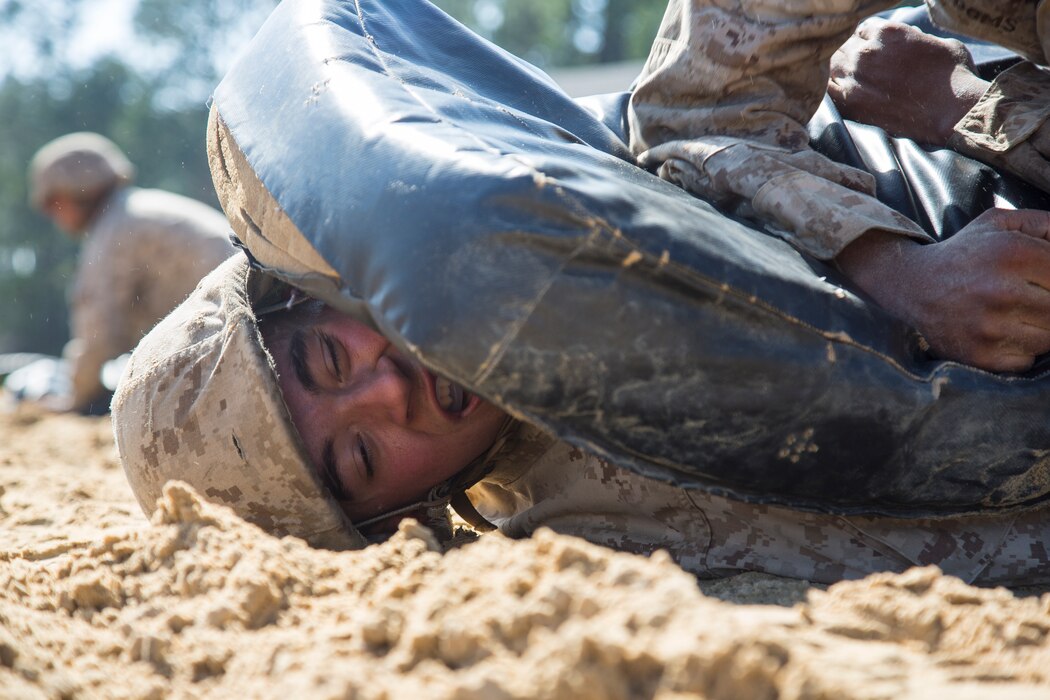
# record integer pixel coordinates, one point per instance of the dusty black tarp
(497, 230)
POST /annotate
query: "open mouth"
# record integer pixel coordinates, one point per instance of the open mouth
(448, 397)
(451, 397)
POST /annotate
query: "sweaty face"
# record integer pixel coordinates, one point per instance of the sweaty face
(380, 429)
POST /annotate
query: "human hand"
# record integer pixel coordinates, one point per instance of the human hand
(981, 297)
(910, 83)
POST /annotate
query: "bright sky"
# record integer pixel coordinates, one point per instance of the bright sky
(105, 26)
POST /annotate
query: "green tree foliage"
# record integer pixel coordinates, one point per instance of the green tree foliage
(149, 96)
(200, 37)
(154, 109)
(36, 261)
(562, 33)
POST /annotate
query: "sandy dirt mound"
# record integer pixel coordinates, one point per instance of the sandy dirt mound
(96, 602)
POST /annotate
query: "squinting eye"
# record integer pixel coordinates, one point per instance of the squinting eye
(330, 473)
(332, 356)
(366, 457)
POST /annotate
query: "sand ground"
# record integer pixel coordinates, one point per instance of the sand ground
(97, 602)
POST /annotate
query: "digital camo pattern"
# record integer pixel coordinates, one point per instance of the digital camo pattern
(1013, 24)
(199, 403)
(140, 258)
(174, 413)
(754, 71)
(817, 205)
(1007, 127)
(543, 482)
(721, 105)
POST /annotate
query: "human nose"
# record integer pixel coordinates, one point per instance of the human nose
(381, 392)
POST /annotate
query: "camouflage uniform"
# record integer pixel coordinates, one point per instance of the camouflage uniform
(722, 102)
(199, 402)
(721, 107)
(142, 255)
(539, 481)
(203, 374)
(1006, 128)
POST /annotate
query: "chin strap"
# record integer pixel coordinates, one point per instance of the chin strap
(457, 486)
(460, 503)
(430, 502)
(453, 492)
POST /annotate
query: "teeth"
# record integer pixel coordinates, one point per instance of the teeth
(450, 395)
(442, 390)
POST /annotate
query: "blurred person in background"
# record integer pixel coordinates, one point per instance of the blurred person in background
(144, 250)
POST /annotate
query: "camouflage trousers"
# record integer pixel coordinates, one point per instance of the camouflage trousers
(544, 482)
(985, 550)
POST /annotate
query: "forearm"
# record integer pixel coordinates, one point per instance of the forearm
(877, 264)
(756, 69)
(981, 297)
(1007, 127)
(720, 110)
(98, 328)
(817, 205)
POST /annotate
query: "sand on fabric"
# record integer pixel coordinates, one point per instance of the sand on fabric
(97, 602)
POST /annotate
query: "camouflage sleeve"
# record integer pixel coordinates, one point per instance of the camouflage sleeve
(720, 110)
(1007, 128)
(102, 293)
(1013, 24)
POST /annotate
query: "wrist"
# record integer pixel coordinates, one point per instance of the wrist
(873, 253)
(967, 89)
(878, 263)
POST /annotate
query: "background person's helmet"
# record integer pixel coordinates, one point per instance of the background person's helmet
(199, 402)
(82, 165)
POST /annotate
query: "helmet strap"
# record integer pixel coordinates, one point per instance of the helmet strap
(453, 492)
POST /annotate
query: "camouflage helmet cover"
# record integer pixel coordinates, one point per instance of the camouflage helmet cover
(199, 402)
(81, 164)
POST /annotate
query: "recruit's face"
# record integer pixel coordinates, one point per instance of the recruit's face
(68, 214)
(380, 429)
